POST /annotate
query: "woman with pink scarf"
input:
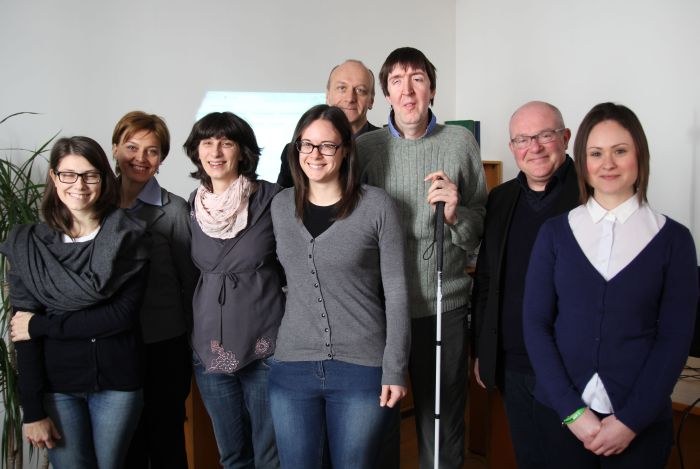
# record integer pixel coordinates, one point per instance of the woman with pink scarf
(238, 301)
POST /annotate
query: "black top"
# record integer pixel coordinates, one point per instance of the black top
(494, 264)
(318, 219)
(532, 209)
(82, 351)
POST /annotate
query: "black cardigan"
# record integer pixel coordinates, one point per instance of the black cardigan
(82, 351)
(85, 331)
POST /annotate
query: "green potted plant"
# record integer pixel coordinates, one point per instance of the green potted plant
(21, 189)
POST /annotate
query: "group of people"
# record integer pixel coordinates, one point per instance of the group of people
(302, 307)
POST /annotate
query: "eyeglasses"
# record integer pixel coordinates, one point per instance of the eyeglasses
(326, 149)
(546, 136)
(69, 177)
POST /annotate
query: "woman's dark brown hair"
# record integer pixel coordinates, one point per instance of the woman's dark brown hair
(351, 190)
(55, 213)
(629, 121)
(224, 125)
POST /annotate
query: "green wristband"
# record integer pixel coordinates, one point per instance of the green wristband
(572, 418)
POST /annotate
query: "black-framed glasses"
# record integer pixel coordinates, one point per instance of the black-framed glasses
(325, 148)
(88, 177)
(546, 136)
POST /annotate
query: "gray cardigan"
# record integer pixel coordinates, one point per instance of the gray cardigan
(347, 297)
(166, 312)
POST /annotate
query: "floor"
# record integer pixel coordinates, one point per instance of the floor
(409, 449)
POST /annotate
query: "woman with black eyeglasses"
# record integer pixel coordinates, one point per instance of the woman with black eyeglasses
(76, 283)
(342, 348)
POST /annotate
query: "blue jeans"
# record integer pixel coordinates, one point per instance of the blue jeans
(239, 409)
(95, 427)
(341, 398)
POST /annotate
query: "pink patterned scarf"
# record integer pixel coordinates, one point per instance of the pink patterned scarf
(224, 215)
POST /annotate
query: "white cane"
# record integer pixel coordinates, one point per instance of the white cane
(439, 238)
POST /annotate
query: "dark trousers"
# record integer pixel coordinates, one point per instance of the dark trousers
(648, 450)
(390, 449)
(517, 391)
(453, 388)
(160, 438)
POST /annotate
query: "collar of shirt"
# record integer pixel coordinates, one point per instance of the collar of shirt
(432, 123)
(621, 213)
(150, 195)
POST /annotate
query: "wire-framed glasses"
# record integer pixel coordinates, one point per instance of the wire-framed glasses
(546, 136)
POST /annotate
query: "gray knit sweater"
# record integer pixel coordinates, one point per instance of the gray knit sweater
(399, 166)
(347, 297)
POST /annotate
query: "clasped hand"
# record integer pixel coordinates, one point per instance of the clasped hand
(602, 437)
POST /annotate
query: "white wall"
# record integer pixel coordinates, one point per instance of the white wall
(84, 64)
(643, 54)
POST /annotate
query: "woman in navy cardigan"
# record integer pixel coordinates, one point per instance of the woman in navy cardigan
(609, 307)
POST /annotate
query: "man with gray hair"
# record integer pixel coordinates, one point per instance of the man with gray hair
(546, 186)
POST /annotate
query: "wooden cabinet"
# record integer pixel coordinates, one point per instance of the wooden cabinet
(494, 173)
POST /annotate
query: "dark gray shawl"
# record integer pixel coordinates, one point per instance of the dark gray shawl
(70, 276)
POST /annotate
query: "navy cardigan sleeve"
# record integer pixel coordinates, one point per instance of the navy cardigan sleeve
(675, 324)
(539, 315)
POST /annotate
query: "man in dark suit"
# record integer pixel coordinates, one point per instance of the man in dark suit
(546, 186)
(350, 87)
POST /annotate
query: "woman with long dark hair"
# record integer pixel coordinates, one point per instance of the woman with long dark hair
(342, 349)
(76, 283)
